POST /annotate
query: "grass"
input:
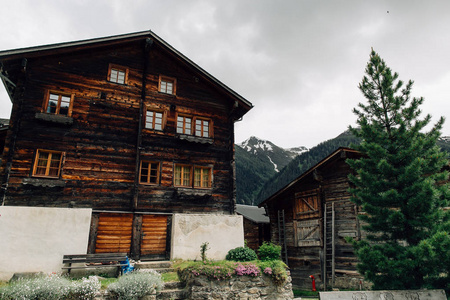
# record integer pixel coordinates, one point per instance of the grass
(107, 281)
(170, 277)
(301, 293)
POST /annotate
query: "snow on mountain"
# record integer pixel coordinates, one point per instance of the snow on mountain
(271, 153)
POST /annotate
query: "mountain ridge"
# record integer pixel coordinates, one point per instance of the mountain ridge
(256, 178)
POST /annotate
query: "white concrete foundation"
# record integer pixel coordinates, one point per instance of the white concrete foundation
(190, 231)
(34, 239)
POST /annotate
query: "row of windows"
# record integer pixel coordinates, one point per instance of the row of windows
(186, 124)
(48, 164)
(61, 104)
(119, 74)
(184, 175)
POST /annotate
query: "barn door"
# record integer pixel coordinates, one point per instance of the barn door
(307, 205)
(154, 236)
(114, 233)
(307, 233)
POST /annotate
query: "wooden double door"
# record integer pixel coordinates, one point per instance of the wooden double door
(143, 236)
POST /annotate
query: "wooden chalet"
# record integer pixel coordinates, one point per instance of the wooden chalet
(310, 218)
(256, 225)
(3, 130)
(125, 125)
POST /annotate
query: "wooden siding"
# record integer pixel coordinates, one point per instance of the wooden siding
(101, 138)
(154, 235)
(305, 231)
(114, 233)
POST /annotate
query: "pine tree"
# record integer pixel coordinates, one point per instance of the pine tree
(399, 183)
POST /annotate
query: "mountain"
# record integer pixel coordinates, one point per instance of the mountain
(302, 163)
(256, 162)
(308, 159)
(268, 152)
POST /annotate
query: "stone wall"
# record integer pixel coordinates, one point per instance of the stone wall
(240, 287)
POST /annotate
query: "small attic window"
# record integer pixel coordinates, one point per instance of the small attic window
(167, 85)
(117, 74)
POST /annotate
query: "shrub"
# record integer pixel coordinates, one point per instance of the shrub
(276, 269)
(224, 270)
(136, 284)
(269, 251)
(241, 254)
(86, 288)
(53, 287)
(203, 248)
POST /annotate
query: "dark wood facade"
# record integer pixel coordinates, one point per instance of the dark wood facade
(311, 217)
(131, 99)
(256, 225)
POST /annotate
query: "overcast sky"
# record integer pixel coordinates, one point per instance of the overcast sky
(299, 62)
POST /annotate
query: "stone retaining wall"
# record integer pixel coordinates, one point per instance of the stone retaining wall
(240, 287)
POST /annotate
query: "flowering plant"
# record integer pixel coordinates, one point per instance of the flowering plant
(247, 269)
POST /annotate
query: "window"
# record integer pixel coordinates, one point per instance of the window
(117, 74)
(184, 125)
(202, 177)
(202, 128)
(149, 173)
(167, 85)
(154, 120)
(182, 176)
(58, 104)
(47, 163)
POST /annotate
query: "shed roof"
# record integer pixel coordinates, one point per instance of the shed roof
(253, 213)
(336, 154)
(4, 124)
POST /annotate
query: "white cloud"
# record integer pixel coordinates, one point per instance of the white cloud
(298, 62)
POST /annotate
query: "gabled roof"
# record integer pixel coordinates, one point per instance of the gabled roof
(338, 153)
(253, 213)
(111, 40)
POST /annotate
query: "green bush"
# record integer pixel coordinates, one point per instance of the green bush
(269, 251)
(136, 284)
(275, 269)
(241, 254)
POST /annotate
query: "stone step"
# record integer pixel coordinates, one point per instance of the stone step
(171, 294)
(174, 285)
(153, 265)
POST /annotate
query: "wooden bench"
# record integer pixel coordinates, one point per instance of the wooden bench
(97, 260)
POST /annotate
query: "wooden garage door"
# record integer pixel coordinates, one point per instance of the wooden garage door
(114, 233)
(154, 235)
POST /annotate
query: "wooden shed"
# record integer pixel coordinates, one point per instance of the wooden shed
(310, 218)
(256, 225)
(125, 125)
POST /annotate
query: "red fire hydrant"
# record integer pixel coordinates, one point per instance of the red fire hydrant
(313, 283)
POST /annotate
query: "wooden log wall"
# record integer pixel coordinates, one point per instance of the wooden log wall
(99, 140)
(333, 187)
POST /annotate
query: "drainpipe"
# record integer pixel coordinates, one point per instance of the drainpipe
(147, 46)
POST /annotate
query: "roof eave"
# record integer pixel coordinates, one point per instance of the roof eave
(306, 173)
